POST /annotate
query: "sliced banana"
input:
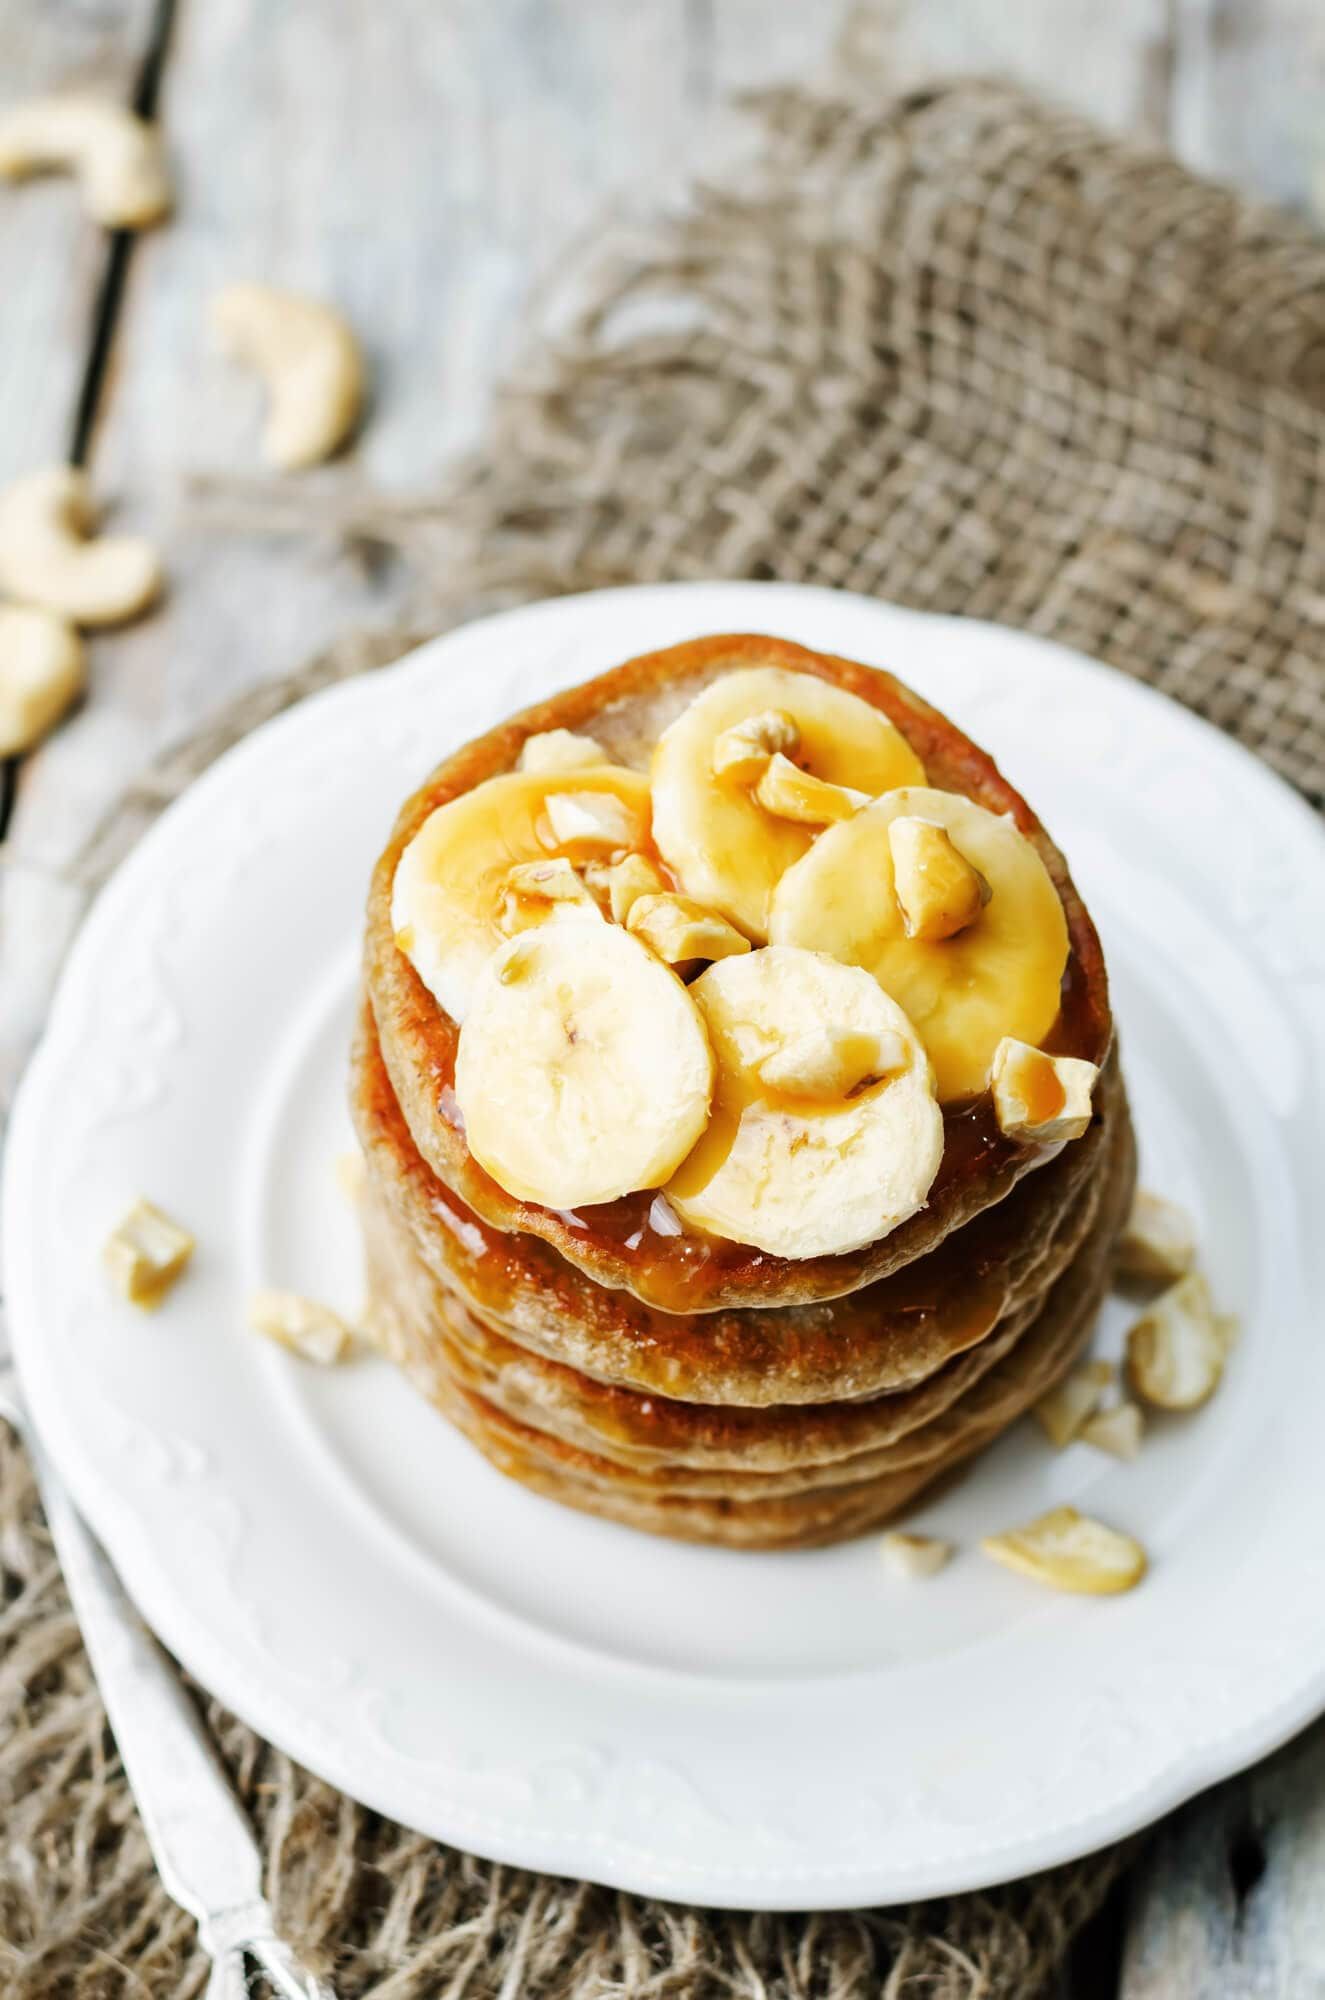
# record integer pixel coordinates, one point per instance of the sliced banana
(584, 1070)
(724, 848)
(794, 1176)
(999, 976)
(452, 882)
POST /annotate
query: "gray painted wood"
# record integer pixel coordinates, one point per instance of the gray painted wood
(1230, 1902)
(52, 260)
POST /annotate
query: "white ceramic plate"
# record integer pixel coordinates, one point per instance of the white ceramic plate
(752, 1730)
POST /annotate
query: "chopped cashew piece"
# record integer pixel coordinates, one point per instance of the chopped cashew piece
(938, 891)
(536, 890)
(1116, 1430)
(118, 157)
(1070, 1551)
(312, 1331)
(915, 1555)
(790, 793)
(742, 752)
(1063, 1412)
(310, 362)
(593, 819)
(146, 1254)
(559, 750)
(831, 1062)
(1159, 1243)
(628, 879)
(1176, 1350)
(51, 555)
(676, 929)
(1040, 1098)
(42, 670)
(351, 1175)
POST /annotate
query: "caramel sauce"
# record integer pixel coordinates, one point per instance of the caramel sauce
(1041, 1092)
(678, 1272)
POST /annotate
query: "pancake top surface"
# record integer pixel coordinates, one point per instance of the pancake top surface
(617, 1243)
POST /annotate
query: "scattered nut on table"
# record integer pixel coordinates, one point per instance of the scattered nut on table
(1070, 1551)
(309, 1329)
(51, 555)
(1177, 1348)
(1064, 1410)
(146, 1254)
(915, 1555)
(1158, 1243)
(43, 669)
(310, 362)
(117, 156)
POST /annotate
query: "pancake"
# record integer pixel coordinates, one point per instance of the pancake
(778, 1512)
(885, 1337)
(615, 1243)
(643, 1431)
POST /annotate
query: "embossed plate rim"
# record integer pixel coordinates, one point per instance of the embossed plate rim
(622, 1809)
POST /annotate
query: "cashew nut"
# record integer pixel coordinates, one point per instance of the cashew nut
(50, 554)
(119, 158)
(42, 670)
(310, 362)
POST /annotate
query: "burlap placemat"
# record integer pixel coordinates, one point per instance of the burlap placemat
(959, 351)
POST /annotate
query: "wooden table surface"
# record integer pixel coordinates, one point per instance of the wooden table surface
(423, 162)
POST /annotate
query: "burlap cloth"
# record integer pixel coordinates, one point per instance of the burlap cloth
(960, 351)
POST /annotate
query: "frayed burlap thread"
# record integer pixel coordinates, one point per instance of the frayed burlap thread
(960, 351)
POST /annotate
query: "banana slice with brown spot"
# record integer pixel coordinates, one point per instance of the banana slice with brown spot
(583, 1070)
(998, 976)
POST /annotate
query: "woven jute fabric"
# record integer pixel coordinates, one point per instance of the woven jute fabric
(959, 351)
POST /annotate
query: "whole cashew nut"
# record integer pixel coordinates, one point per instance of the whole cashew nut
(50, 554)
(42, 670)
(119, 158)
(310, 362)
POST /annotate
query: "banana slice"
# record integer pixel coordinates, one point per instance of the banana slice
(725, 849)
(793, 1175)
(453, 882)
(999, 976)
(583, 1070)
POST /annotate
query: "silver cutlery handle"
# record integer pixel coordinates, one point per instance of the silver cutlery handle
(203, 1846)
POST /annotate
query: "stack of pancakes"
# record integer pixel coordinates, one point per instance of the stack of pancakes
(701, 1388)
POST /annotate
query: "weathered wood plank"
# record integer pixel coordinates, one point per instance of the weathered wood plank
(52, 260)
(420, 166)
(1230, 1902)
(1109, 61)
(1249, 86)
(53, 265)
